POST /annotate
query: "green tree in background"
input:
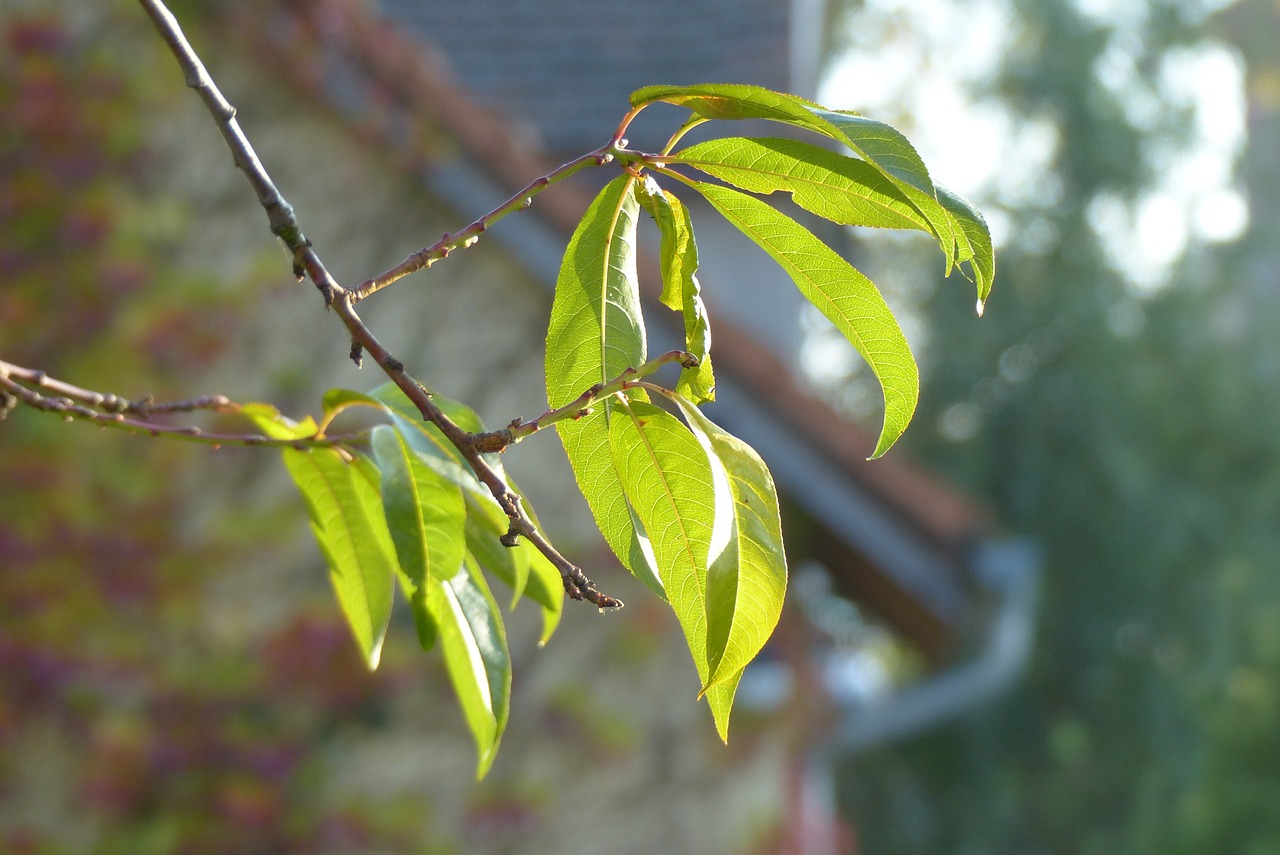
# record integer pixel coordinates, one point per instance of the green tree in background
(1133, 434)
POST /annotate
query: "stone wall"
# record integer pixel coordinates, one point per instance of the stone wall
(606, 749)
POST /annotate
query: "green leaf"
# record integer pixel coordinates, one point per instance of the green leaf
(668, 482)
(425, 514)
(486, 521)
(474, 642)
(546, 587)
(596, 332)
(681, 291)
(841, 189)
(973, 242)
(846, 297)
(720, 700)
(880, 145)
(273, 424)
(747, 583)
(875, 142)
(347, 519)
(336, 399)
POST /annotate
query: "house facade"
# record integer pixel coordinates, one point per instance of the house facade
(389, 125)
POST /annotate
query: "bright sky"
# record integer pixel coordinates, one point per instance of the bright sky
(906, 66)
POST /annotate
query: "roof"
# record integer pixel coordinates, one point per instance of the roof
(565, 67)
(892, 535)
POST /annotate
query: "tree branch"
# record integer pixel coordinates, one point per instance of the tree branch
(19, 385)
(285, 225)
(424, 258)
(499, 440)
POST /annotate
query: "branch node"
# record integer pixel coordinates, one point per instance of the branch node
(578, 587)
(299, 243)
(492, 442)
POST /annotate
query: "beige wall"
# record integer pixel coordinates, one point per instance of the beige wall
(607, 750)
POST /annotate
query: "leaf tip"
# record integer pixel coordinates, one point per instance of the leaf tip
(375, 656)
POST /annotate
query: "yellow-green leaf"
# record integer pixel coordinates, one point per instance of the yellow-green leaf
(844, 295)
(668, 482)
(426, 515)
(838, 188)
(747, 583)
(346, 516)
(596, 332)
(475, 652)
(681, 291)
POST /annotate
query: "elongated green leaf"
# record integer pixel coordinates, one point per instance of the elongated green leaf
(973, 242)
(875, 142)
(486, 521)
(270, 421)
(596, 332)
(880, 145)
(668, 481)
(744, 593)
(475, 652)
(546, 587)
(681, 291)
(347, 519)
(422, 434)
(720, 700)
(841, 189)
(846, 297)
(425, 514)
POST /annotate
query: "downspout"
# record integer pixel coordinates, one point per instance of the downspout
(1009, 573)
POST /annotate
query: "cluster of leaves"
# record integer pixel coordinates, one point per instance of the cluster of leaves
(688, 508)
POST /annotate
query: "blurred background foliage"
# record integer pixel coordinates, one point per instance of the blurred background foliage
(1119, 404)
(125, 726)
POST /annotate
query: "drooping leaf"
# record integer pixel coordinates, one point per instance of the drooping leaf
(486, 521)
(720, 699)
(880, 145)
(833, 186)
(745, 593)
(475, 652)
(546, 587)
(596, 332)
(875, 142)
(425, 514)
(844, 295)
(680, 288)
(668, 482)
(425, 436)
(345, 508)
(973, 242)
(346, 516)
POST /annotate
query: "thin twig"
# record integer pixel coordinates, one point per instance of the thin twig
(284, 224)
(424, 258)
(499, 440)
(110, 410)
(108, 402)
